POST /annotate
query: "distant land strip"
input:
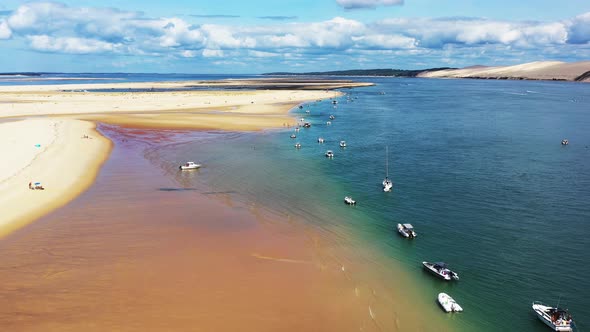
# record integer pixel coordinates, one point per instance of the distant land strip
(363, 72)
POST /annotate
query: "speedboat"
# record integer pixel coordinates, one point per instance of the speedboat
(329, 154)
(293, 136)
(328, 123)
(406, 230)
(448, 303)
(306, 125)
(342, 144)
(348, 200)
(556, 318)
(307, 111)
(565, 142)
(320, 140)
(188, 166)
(440, 270)
(298, 145)
(332, 117)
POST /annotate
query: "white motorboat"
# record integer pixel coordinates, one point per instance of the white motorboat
(307, 111)
(328, 123)
(320, 140)
(441, 270)
(342, 144)
(293, 136)
(298, 145)
(189, 165)
(406, 230)
(565, 142)
(296, 128)
(332, 117)
(330, 154)
(306, 125)
(387, 183)
(556, 318)
(348, 200)
(448, 303)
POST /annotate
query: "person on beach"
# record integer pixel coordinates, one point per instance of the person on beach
(30, 185)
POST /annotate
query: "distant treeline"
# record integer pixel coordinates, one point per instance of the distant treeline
(21, 74)
(363, 72)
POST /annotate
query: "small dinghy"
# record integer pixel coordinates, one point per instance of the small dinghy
(329, 154)
(448, 303)
(334, 102)
(293, 136)
(320, 140)
(348, 200)
(332, 117)
(342, 144)
(188, 166)
(441, 270)
(556, 318)
(565, 142)
(298, 145)
(406, 230)
(328, 123)
(306, 125)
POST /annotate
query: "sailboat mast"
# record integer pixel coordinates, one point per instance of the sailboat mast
(386, 161)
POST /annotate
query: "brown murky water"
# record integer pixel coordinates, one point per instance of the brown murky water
(126, 256)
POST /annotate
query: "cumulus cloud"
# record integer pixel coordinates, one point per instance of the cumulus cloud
(71, 45)
(5, 31)
(55, 27)
(356, 4)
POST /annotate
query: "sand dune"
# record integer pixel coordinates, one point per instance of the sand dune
(540, 70)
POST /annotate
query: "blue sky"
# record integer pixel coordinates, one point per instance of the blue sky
(238, 36)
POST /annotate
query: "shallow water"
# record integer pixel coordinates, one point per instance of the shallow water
(478, 169)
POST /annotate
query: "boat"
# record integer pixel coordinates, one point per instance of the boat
(296, 128)
(306, 125)
(320, 140)
(334, 102)
(329, 154)
(406, 230)
(188, 166)
(307, 111)
(348, 200)
(387, 183)
(328, 123)
(293, 136)
(556, 318)
(441, 270)
(448, 303)
(298, 145)
(342, 144)
(565, 142)
(332, 117)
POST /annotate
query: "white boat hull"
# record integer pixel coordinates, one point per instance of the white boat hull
(448, 303)
(540, 312)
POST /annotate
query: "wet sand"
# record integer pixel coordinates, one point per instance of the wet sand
(128, 256)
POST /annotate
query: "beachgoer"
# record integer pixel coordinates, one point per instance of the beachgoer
(30, 185)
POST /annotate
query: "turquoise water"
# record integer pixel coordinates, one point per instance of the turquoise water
(478, 169)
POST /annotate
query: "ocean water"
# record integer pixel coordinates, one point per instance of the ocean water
(478, 169)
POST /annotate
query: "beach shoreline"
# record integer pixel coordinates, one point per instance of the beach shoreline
(64, 155)
(77, 111)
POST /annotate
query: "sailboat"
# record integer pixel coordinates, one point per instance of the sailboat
(387, 184)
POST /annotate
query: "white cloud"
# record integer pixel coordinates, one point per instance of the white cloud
(5, 31)
(356, 4)
(71, 45)
(207, 53)
(55, 27)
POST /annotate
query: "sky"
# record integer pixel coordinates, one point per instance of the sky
(258, 36)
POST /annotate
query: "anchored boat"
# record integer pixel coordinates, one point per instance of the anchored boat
(188, 166)
(556, 318)
(441, 270)
(406, 230)
(448, 303)
(348, 200)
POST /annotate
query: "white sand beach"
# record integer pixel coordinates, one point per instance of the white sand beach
(52, 152)
(48, 145)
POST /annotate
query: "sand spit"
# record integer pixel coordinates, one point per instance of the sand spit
(203, 109)
(52, 152)
(540, 70)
